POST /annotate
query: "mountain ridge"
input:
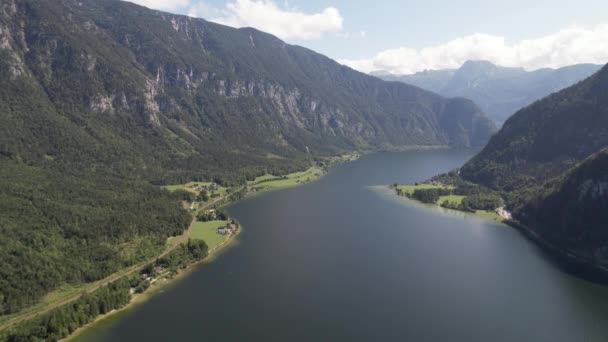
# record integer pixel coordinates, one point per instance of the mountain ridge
(549, 161)
(547, 137)
(499, 91)
(196, 80)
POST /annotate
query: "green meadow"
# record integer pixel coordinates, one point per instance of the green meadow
(268, 182)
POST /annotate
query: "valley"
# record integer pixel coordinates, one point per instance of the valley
(428, 264)
(184, 170)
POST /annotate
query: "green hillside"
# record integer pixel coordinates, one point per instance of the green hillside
(572, 211)
(550, 163)
(101, 101)
(545, 139)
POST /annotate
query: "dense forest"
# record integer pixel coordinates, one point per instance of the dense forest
(62, 226)
(547, 162)
(545, 139)
(571, 210)
(476, 197)
(63, 321)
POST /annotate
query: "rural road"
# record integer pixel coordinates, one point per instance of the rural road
(136, 268)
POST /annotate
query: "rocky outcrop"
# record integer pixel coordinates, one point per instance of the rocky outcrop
(185, 84)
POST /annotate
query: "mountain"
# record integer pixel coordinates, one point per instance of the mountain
(432, 80)
(179, 90)
(545, 139)
(499, 91)
(101, 101)
(549, 161)
(572, 213)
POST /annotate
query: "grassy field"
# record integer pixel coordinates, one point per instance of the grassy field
(219, 191)
(409, 189)
(346, 157)
(207, 231)
(263, 178)
(268, 182)
(456, 199)
(490, 215)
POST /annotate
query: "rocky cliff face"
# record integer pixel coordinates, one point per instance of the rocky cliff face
(182, 91)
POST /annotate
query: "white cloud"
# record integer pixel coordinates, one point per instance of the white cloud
(169, 5)
(285, 23)
(200, 10)
(566, 47)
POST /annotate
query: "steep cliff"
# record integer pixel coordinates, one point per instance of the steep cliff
(182, 92)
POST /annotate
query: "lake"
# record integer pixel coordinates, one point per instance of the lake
(342, 259)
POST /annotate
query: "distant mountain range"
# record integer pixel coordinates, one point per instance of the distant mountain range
(499, 91)
(550, 161)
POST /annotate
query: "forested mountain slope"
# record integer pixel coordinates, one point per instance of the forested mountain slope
(550, 162)
(547, 138)
(499, 91)
(101, 98)
(572, 210)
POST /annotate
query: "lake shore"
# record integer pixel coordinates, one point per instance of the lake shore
(567, 260)
(157, 286)
(500, 214)
(269, 182)
(163, 282)
(479, 258)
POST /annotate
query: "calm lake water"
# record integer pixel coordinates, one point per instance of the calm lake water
(342, 260)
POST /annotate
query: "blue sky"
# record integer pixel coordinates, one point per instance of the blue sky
(418, 24)
(409, 36)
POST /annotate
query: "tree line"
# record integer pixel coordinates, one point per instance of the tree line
(61, 322)
(477, 197)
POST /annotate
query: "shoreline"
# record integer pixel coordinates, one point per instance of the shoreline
(454, 212)
(156, 287)
(500, 215)
(567, 261)
(165, 282)
(161, 284)
(325, 170)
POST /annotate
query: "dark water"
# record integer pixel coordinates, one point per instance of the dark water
(336, 260)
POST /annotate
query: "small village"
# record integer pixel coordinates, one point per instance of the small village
(202, 187)
(206, 219)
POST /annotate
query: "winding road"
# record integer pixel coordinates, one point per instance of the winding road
(114, 277)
